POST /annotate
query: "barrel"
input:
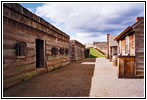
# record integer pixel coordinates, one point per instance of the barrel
(114, 60)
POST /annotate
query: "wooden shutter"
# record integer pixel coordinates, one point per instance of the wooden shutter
(66, 51)
(20, 49)
(17, 49)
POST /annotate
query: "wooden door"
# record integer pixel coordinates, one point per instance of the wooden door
(39, 53)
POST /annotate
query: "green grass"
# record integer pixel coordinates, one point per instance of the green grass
(94, 53)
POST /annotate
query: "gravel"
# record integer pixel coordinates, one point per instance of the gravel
(105, 82)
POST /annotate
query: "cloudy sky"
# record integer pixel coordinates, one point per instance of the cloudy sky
(88, 21)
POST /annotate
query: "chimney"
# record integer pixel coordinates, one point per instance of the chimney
(108, 46)
(139, 18)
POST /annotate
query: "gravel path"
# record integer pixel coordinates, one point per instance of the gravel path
(105, 82)
(85, 78)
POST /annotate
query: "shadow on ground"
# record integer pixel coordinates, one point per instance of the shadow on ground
(73, 80)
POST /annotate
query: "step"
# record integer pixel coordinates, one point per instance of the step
(139, 73)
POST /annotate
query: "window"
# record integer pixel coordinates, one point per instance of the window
(127, 45)
(120, 47)
(54, 51)
(66, 51)
(20, 49)
(61, 51)
(132, 45)
(123, 46)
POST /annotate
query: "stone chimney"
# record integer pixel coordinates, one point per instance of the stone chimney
(108, 35)
(139, 18)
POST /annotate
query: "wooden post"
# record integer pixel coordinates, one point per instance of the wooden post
(108, 46)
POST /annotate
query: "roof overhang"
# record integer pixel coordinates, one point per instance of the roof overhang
(121, 34)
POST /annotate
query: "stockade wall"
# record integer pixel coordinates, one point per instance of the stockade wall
(23, 28)
(77, 50)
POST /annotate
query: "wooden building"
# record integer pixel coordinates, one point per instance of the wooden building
(131, 50)
(77, 50)
(100, 45)
(112, 46)
(31, 46)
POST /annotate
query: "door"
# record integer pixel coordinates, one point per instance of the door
(39, 53)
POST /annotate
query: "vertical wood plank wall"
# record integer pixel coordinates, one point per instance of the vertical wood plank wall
(139, 48)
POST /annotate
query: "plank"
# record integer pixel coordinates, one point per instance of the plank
(9, 52)
(18, 70)
(7, 66)
(9, 44)
(11, 36)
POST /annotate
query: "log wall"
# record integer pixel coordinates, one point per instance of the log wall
(76, 50)
(20, 25)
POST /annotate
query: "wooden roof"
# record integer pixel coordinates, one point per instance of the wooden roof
(77, 42)
(122, 33)
(128, 29)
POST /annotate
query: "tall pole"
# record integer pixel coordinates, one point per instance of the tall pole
(108, 45)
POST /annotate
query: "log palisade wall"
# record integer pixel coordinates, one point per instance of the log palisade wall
(76, 50)
(22, 26)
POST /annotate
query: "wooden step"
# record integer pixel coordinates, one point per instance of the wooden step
(140, 72)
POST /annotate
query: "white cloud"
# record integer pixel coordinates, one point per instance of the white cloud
(89, 37)
(91, 18)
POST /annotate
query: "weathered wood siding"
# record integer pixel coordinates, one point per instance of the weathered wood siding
(77, 50)
(132, 44)
(20, 25)
(126, 66)
(139, 48)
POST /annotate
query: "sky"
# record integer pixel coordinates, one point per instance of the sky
(88, 21)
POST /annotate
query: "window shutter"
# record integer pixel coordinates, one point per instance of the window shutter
(22, 52)
(61, 51)
(66, 51)
(17, 49)
(20, 49)
(56, 51)
(53, 50)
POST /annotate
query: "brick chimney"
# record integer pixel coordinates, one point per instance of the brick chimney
(108, 45)
(139, 18)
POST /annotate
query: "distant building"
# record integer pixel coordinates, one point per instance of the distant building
(77, 50)
(131, 50)
(100, 45)
(89, 45)
(111, 46)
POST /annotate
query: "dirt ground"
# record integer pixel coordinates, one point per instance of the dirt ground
(86, 78)
(73, 80)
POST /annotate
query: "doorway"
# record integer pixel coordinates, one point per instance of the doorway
(39, 53)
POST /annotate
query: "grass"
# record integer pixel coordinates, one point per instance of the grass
(94, 53)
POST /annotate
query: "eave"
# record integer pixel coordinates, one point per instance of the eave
(121, 34)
